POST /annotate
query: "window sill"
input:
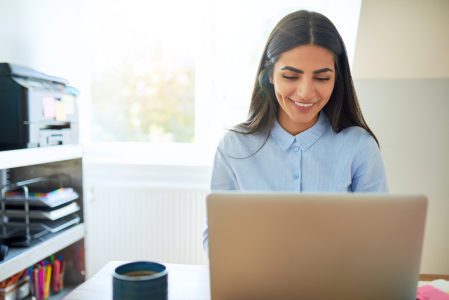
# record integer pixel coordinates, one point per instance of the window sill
(135, 153)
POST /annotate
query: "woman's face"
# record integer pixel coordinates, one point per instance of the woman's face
(303, 80)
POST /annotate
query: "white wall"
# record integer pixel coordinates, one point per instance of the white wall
(401, 71)
(403, 39)
(48, 36)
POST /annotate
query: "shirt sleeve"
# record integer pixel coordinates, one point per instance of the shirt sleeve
(223, 177)
(368, 171)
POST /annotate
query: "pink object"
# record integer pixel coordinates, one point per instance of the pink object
(427, 292)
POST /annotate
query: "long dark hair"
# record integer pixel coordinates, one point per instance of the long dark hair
(296, 29)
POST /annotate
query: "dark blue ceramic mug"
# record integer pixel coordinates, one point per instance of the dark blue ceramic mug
(140, 280)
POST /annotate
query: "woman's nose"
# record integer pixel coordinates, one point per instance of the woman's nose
(306, 90)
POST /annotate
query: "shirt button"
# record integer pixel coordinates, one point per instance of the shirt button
(296, 177)
(296, 149)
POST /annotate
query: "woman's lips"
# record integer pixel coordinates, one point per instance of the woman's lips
(303, 105)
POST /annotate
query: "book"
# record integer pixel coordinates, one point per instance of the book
(36, 198)
(429, 292)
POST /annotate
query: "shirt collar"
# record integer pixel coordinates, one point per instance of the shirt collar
(304, 139)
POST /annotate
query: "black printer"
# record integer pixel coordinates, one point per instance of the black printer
(36, 110)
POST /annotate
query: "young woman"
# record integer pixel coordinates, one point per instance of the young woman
(305, 131)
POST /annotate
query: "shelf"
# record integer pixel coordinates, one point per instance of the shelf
(62, 294)
(19, 259)
(34, 156)
(59, 296)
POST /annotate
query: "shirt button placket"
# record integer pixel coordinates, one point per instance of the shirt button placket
(297, 175)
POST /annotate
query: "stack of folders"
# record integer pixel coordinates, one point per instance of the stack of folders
(50, 211)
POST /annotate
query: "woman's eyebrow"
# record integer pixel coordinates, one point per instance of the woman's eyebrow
(292, 69)
(322, 70)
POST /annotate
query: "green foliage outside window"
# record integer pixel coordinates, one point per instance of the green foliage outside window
(144, 104)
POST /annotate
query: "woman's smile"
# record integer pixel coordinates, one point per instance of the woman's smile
(302, 104)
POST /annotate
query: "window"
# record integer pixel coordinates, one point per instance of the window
(174, 74)
(143, 72)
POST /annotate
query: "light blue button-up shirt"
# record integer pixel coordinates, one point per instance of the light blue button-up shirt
(315, 160)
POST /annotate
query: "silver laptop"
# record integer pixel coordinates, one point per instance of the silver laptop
(315, 246)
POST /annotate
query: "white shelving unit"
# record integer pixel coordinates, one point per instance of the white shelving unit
(25, 163)
(21, 258)
(34, 156)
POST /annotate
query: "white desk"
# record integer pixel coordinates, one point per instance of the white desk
(184, 282)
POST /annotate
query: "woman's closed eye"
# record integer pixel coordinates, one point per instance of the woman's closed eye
(293, 77)
(290, 76)
(322, 78)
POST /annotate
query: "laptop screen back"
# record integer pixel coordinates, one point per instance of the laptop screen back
(317, 246)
